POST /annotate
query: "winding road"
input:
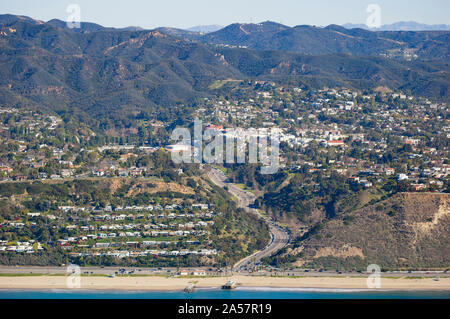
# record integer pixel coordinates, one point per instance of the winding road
(279, 236)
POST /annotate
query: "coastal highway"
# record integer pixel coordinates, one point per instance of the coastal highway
(280, 237)
(172, 271)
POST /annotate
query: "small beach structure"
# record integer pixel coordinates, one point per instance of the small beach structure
(189, 288)
(230, 284)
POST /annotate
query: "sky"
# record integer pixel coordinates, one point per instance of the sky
(187, 13)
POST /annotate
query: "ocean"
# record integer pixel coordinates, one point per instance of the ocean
(238, 293)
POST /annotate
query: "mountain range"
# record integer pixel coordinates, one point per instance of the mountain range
(402, 26)
(302, 39)
(332, 39)
(106, 73)
(205, 28)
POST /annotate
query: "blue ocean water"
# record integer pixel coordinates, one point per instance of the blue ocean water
(239, 293)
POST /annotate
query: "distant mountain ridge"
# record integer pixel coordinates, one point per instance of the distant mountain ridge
(6, 19)
(305, 39)
(11, 18)
(108, 73)
(401, 26)
(397, 26)
(302, 39)
(205, 28)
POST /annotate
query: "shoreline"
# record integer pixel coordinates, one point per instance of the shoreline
(203, 289)
(168, 284)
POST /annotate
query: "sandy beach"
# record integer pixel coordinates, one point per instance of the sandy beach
(155, 283)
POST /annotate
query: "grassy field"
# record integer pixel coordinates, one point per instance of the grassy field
(245, 188)
(218, 84)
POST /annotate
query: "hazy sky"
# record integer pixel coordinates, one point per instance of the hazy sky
(187, 13)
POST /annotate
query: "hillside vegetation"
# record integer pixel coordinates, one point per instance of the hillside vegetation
(107, 75)
(312, 40)
(406, 231)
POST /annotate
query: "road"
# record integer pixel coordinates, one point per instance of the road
(279, 236)
(137, 271)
